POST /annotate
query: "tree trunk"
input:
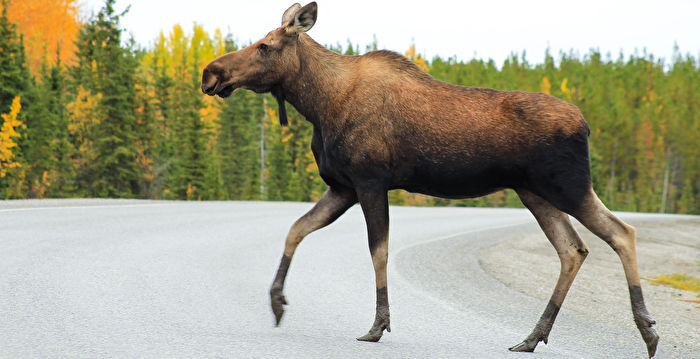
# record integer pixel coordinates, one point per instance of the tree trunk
(667, 170)
(611, 183)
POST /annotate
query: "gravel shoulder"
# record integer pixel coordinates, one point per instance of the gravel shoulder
(664, 246)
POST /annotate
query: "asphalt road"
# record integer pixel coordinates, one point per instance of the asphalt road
(148, 279)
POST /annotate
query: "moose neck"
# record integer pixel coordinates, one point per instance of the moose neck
(321, 82)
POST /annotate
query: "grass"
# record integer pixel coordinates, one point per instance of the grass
(679, 281)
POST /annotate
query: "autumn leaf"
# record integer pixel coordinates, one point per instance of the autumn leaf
(7, 133)
(49, 27)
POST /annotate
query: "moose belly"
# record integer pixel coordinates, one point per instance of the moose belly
(458, 180)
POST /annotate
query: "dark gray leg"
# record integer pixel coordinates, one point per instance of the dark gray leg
(571, 250)
(622, 238)
(331, 206)
(375, 206)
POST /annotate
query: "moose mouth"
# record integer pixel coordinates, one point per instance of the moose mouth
(218, 90)
(226, 91)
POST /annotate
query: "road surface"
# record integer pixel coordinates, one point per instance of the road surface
(151, 279)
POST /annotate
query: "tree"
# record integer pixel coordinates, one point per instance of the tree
(14, 75)
(106, 68)
(279, 167)
(15, 83)
(239, 145)
(49, 27)
(62, 172)
(8, 133)
(186, 163)
(83, 117)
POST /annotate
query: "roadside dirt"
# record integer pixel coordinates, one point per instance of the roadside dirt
(530, 265)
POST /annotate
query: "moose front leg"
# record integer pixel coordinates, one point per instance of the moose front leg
(332, 205)
(375, 206)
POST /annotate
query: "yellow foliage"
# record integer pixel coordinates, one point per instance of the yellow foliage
(567, 91)
(651, 99)
(181, 56)
(179, 52)
(219, 43)
(678, 281)
(43, 184)
(416, 58)
(50, 27)
(191, 192)
(209, 113)
(145, 163)
(271, 115)
(7, 133)
(83, 116)
(18, 186)
(312, 167)
(546, 87)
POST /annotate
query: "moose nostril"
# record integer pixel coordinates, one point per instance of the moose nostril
(209, 82)
(207, 89)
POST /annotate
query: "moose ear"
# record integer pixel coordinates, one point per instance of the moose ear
(289, 14)
(304, 19)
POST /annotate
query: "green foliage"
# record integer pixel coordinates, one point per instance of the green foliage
(678, 281)
(48, 150)
(238, 142)
(106, 68)
(15, 81)
(126, 122)
(643, 114)
(14, 74)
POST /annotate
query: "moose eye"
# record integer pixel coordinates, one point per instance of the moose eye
(262, 47)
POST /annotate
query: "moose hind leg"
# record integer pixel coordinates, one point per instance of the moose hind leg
(622, 238)
(572, 252)
(331, 206)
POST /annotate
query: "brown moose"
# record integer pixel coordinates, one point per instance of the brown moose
(382, 123)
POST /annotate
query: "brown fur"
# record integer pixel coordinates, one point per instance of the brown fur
(380, 123)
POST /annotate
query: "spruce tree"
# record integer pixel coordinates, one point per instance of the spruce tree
(190, 156)
(15, 80)
(146, 129)
(37, 142)
(163, 143)
(107, 68)
(61, 149)
(239, 145)
(14, 74)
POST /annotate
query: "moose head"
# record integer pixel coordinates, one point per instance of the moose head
(262, 66)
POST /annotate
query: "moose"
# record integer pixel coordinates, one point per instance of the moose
(380, 123)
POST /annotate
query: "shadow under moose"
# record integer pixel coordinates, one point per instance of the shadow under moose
(380, 123)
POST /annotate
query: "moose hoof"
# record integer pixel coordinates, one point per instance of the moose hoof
(374, 334)
(277, 301)
(524, 346)
(529, 344)
(651, 338)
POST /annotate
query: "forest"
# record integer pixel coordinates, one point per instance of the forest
(87, 112)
